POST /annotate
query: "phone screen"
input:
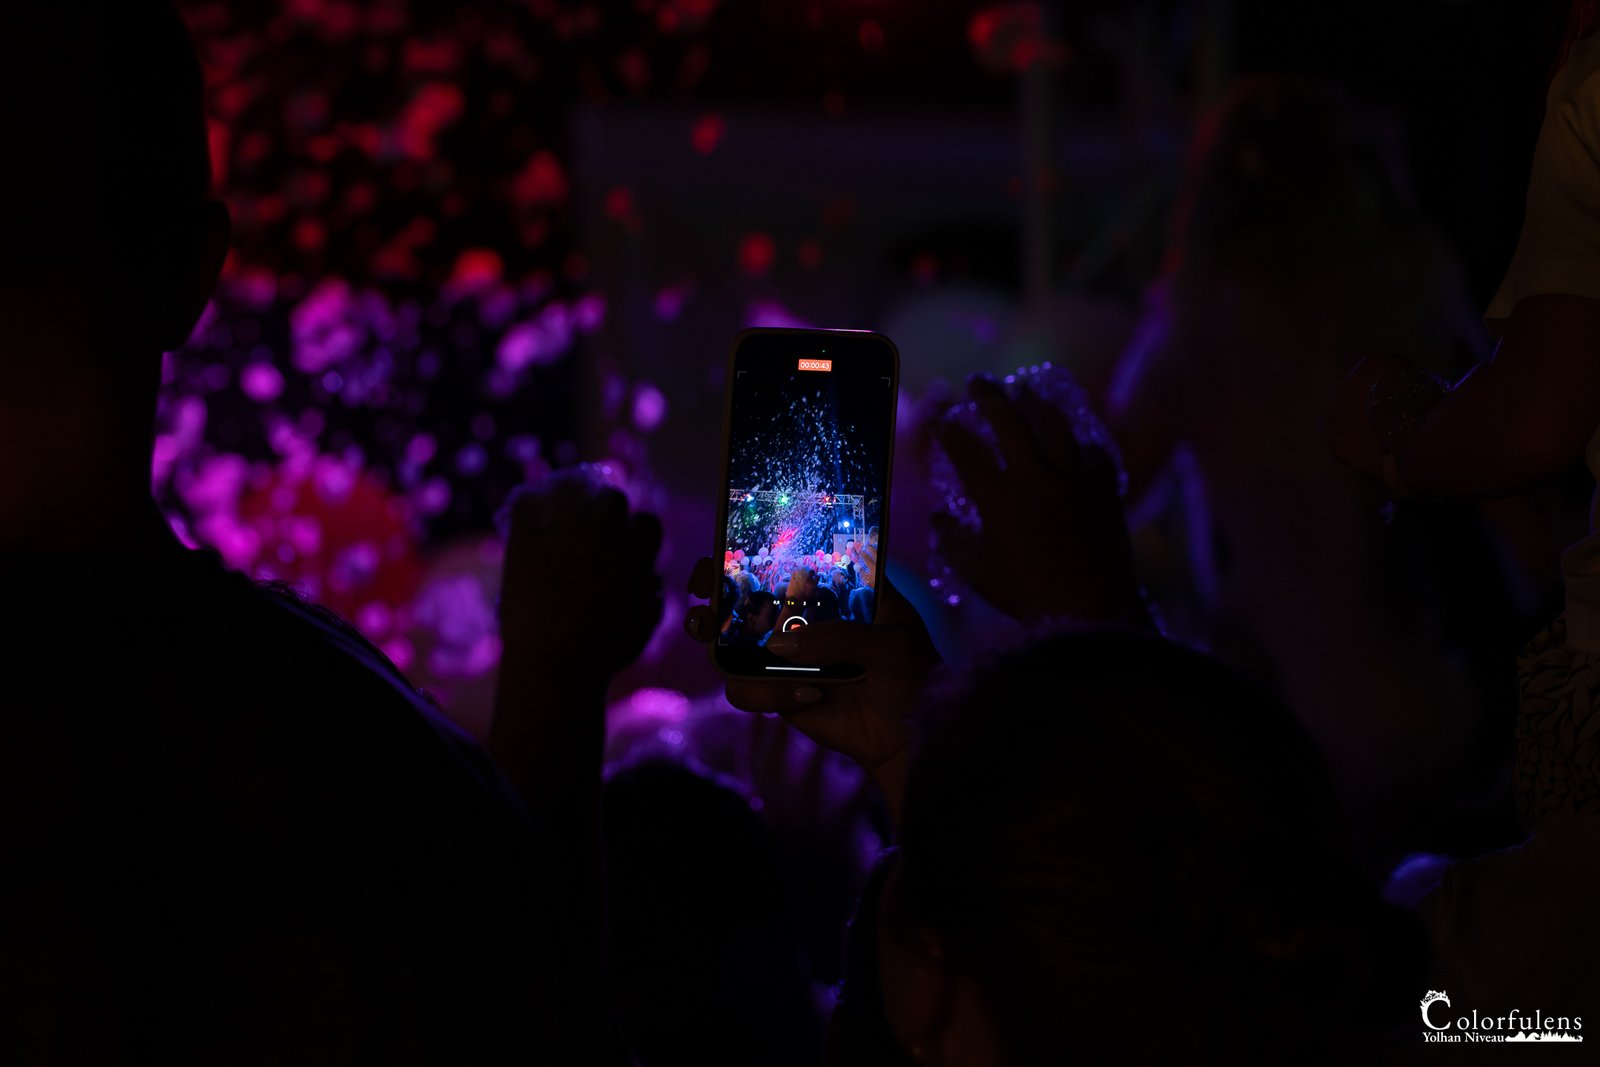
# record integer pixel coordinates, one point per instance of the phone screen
(805, 502)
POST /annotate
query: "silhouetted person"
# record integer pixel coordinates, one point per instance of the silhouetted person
(233, 832)
(1294, 241)
(1108, 842)
(705, 964)
(1514, 422)
(1115, 844)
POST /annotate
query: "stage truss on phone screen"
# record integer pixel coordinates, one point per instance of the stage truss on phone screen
(855, 502)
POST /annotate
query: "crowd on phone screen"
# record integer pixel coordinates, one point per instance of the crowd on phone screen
(820, 587)
(238, 834)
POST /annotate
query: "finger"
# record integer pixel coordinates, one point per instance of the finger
(827, 643)
(1057, 437)
(644, 534)
(700, 622)
(957, 542)
(894, 609)
(973, 460)
(703, 579)
(936, 397)
(523, 511)
(889, 598)
(1017, 449)
(567, 491)
(926, 412)
(565, 501)
(1049, 426)
(610, 509)
(772, 698)
(1102, 468)
(727, 596)
(769, 747)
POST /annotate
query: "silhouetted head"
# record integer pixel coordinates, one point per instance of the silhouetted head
(763, 615)
(110, 242)
(861, 602)
(826, 608)
(1290, 186)
(1116, 845)
(1294, 240)
(749, 586)
(704, 960)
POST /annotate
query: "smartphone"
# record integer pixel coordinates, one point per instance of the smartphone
(803, 524)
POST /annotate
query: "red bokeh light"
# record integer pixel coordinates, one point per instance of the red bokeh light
(476, 268)
(336, 533)
(1011, 37)
(708, 133)
(870, 34)
(756, 253)
(542, 183)
(619, 202)
(633, 68)
(309, 234)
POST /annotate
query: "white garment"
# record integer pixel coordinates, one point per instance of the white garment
(1515, 928)
(1559, 253)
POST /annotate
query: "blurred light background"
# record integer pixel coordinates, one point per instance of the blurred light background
(477, 239)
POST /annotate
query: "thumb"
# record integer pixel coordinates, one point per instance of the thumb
(959, 543)
(824, 643)
(703, 579)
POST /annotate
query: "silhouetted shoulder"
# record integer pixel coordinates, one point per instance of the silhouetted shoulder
(243, 829)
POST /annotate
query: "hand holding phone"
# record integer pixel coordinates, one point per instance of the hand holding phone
(808, 436)
(865, 719)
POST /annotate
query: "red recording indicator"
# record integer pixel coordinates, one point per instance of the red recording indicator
(816, 364)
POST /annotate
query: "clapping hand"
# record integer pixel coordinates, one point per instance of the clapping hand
(560, 613)
(1037, 485)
